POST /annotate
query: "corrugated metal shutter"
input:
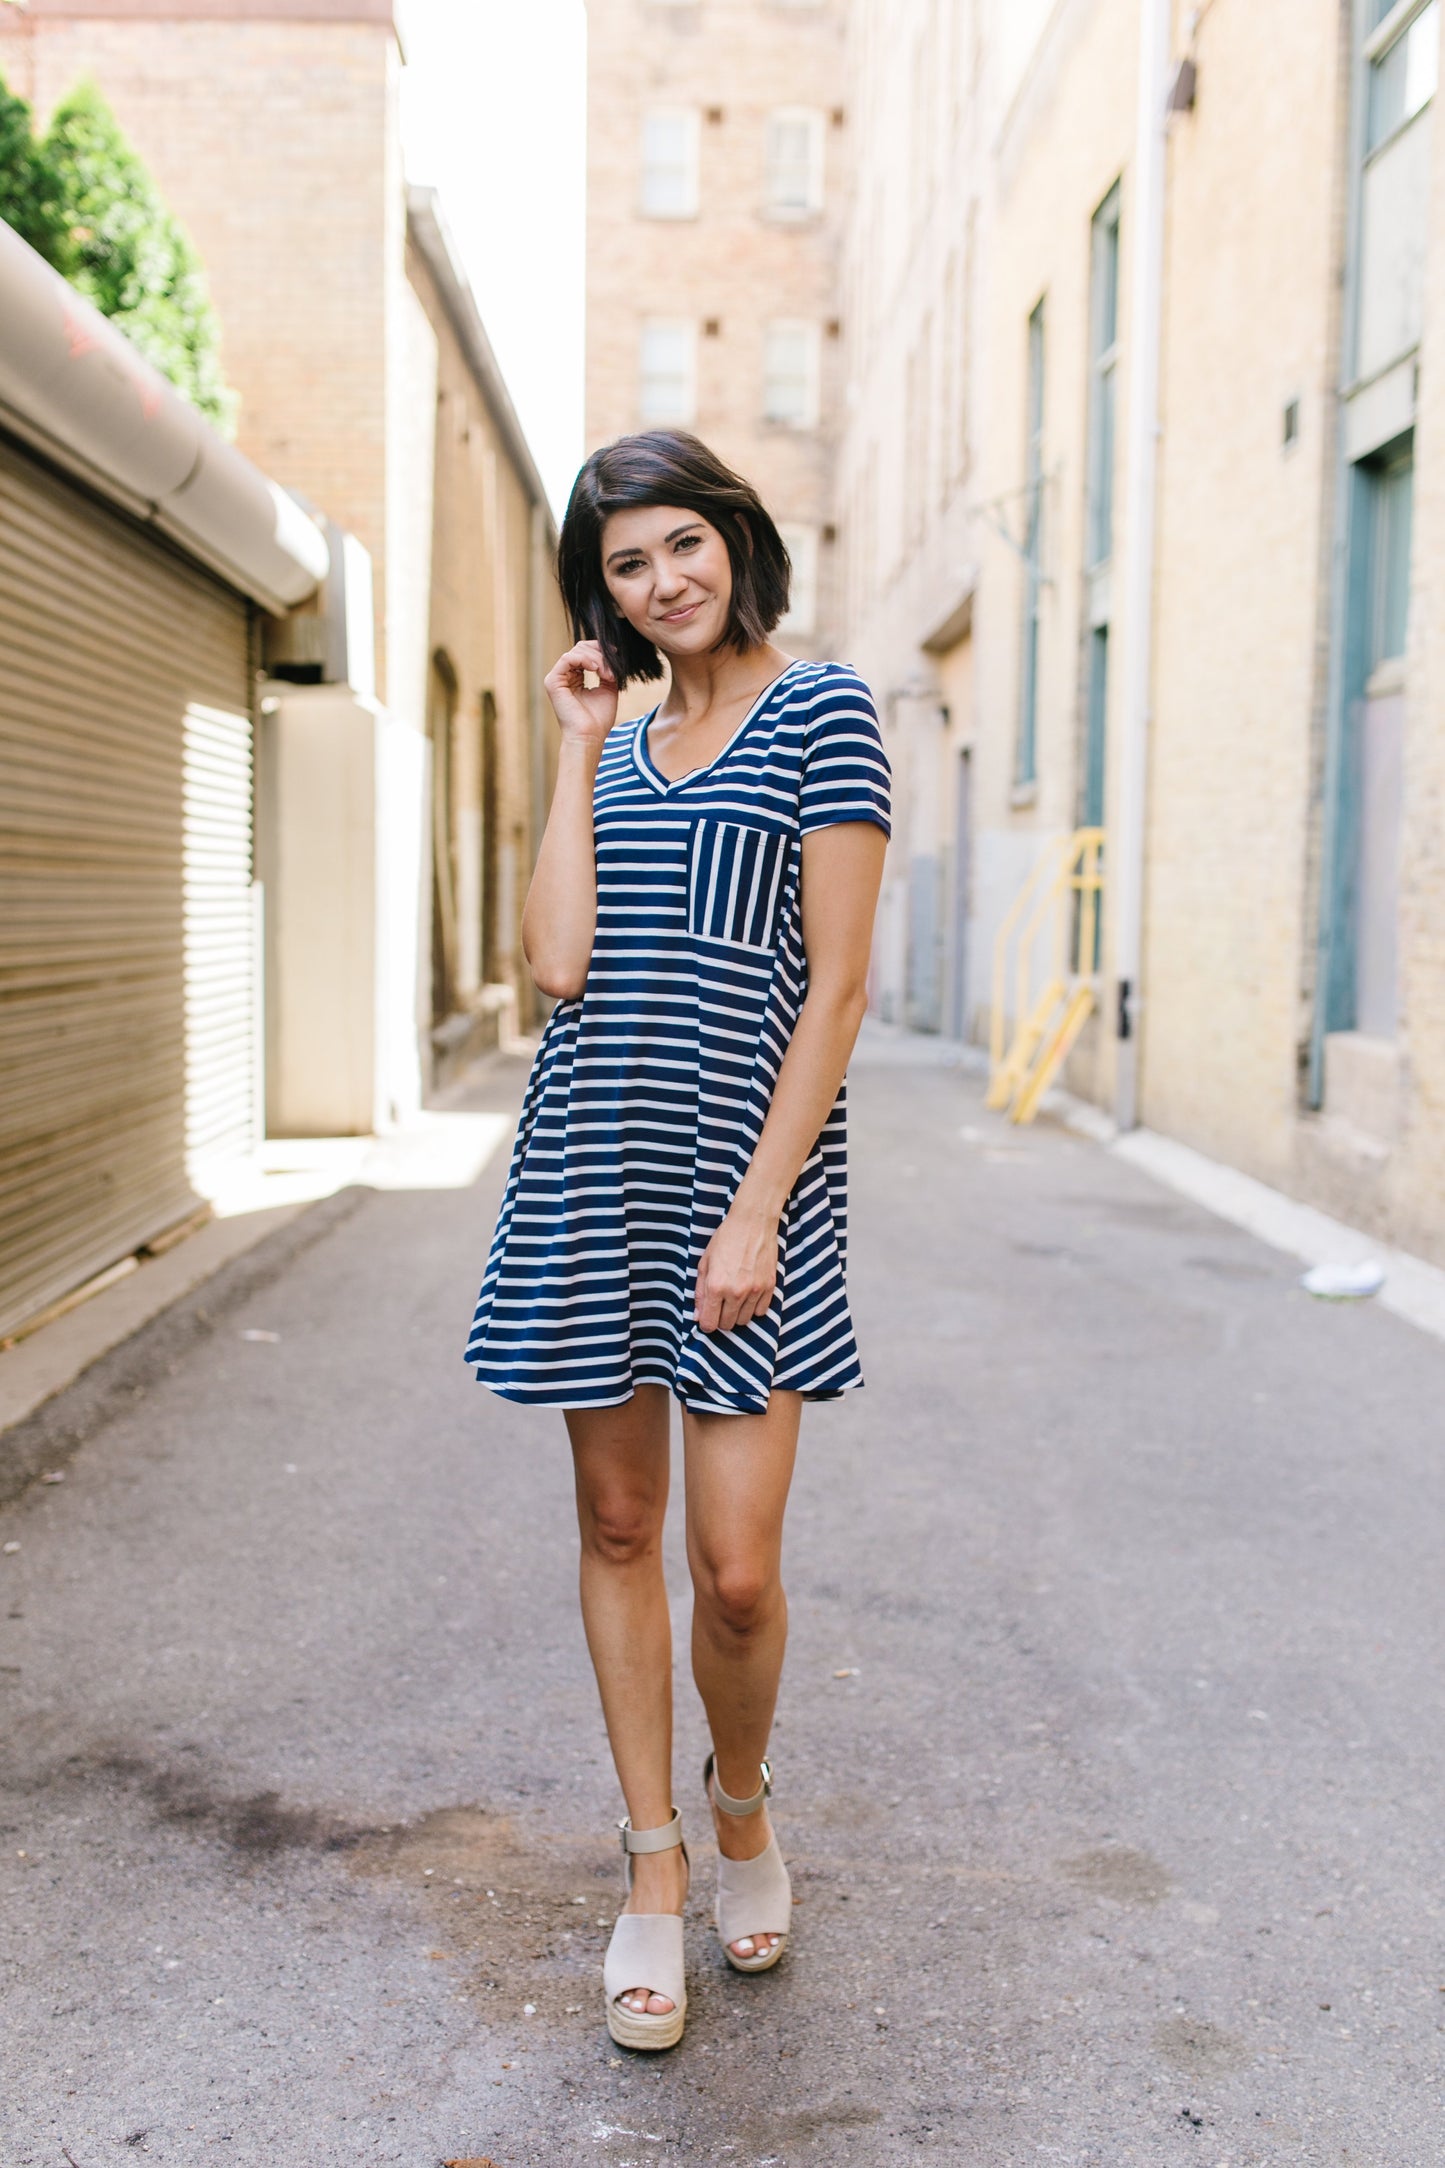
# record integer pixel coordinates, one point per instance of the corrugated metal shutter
(127, 962)
(222, 940)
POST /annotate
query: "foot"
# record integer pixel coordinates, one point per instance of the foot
(659, 1884)
(745, 1836)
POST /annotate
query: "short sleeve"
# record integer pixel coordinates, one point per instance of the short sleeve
(845, 769)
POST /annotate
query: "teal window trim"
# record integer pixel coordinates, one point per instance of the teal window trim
(1332, 992)
(1103, 376)
(1335, 913)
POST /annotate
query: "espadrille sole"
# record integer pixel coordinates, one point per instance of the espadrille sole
(635, 2029)
(756, 1964)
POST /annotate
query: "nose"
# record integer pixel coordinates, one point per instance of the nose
(670, 582)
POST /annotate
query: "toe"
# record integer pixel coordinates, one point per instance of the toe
(744, 1947)
(658, 2006)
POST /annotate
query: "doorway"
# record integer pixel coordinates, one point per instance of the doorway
(441, 729)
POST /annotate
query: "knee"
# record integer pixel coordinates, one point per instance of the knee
(619, 1529)
(739, 1595)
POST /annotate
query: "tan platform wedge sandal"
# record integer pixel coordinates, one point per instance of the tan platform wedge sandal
(646, 1951)
(754, 1896)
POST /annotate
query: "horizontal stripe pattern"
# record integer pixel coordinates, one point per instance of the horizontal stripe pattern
(649, 1092)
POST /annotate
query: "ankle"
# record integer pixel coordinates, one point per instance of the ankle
(742, 1782)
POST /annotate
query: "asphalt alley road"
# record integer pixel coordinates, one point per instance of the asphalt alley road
(1109, 1761)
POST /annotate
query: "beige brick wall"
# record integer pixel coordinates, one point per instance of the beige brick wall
(985, 146)
(1242, 603)
(276, 143)
(1415, 1200)
(267, 140)
(732, 264)
(1250, 324)
(1065, 137)
(485, 550)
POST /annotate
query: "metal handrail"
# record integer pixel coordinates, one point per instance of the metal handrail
(1062, 893)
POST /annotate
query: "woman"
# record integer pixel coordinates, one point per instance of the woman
(673, 1222)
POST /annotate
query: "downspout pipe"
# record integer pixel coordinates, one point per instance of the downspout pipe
(1332, 928)
(1146, 305)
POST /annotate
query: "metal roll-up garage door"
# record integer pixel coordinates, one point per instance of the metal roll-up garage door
(128, 951)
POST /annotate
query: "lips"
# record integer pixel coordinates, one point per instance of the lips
(680, 617)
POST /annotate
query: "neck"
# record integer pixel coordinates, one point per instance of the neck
(703, 682)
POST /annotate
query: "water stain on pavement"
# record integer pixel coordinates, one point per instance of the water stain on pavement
(1199, 2049)
(258, 1825)
(1128, 1877)
(522, 1915)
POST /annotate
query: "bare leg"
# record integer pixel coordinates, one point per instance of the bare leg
(620, 1459)
(739, 1468)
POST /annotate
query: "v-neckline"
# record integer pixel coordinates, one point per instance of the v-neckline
(654, 775)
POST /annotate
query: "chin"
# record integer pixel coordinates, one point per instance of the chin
(694, 638)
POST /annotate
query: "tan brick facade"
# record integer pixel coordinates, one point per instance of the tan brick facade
(271, 128)
(989, 136)
(733, 266)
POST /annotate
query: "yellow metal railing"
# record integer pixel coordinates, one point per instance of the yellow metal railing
(1056, 912)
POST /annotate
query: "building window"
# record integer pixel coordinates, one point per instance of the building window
(670, 162)
(1091, 804)
(1103, 376)
(801, 544)
(1404, 69)
(1026, 764)
(668, 390)
(1391, 481)
(795, 162)
(790, 373)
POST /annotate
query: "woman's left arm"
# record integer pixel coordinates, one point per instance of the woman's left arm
(842, 874)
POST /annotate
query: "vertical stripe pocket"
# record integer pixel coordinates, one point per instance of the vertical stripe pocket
(734, 882)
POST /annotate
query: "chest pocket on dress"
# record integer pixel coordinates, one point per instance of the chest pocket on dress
(734, 882)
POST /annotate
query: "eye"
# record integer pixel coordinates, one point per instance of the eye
(689, 541)
(628, 566)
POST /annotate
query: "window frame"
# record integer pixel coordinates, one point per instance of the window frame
(1104, 346)
(1389, 37)
(816, 122)
(1026, 749)
(691, 166)
(810, 376)
(652, 419)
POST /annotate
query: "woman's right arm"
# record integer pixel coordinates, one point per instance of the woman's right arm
(559, 920)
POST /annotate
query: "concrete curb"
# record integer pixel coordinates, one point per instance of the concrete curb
(1413, 1289)
(51, 1433)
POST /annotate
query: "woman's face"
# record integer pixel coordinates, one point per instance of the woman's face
(669, 573)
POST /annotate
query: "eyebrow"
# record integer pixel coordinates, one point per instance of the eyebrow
(686, 528)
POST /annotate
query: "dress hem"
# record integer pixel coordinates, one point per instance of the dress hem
(523, 1398)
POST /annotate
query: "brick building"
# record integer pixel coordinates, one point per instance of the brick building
(716, 195)
(1139, 380)
(366, 386)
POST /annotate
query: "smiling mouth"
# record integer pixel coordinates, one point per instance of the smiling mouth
(678, 617)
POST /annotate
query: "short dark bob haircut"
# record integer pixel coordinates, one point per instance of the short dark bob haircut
(668, 466)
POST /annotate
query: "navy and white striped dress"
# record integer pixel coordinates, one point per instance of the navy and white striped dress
(649, 1091)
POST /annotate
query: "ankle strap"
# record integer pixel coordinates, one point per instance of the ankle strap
(725, 1802)
(652, 1840)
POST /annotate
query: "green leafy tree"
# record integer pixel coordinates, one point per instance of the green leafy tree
(32, 197)
(127, 254)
